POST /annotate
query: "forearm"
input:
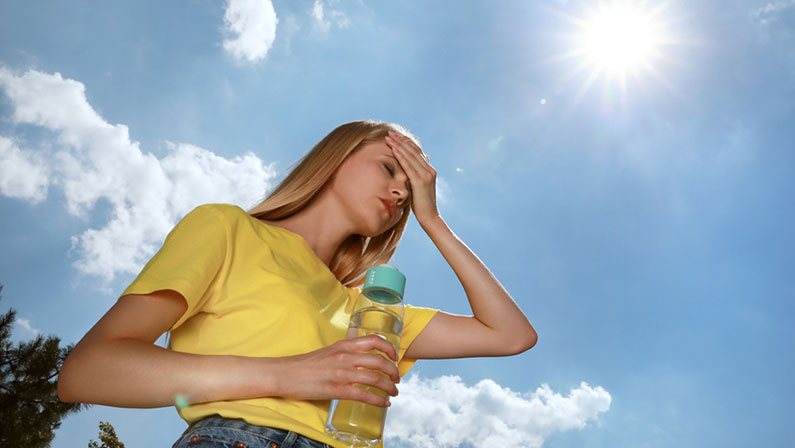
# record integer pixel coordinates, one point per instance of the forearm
(137, 374)
(490, 302)
(127, 372)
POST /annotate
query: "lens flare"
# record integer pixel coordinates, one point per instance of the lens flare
(181, 401)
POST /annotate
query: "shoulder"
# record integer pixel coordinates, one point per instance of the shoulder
(216, 218)
(227, 213)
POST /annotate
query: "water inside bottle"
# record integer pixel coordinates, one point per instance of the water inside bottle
(358, 423)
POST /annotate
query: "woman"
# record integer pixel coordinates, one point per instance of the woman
(257, 303)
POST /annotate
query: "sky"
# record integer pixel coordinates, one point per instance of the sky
(625, 169)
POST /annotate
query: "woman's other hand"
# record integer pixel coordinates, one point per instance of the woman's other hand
(334, 372)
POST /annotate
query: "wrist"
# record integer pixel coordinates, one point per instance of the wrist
(253, 377)
(271, 377)
(431, 222)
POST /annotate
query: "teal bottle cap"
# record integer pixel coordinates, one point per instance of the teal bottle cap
(384, 284)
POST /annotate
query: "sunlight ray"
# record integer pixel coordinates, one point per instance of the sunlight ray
(622, 42)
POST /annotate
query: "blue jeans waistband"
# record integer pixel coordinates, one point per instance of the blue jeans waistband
(226, 432)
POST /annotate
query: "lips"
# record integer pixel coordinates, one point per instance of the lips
(390, 206)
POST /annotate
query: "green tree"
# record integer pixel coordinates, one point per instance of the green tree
(108, 437)
(30, 410)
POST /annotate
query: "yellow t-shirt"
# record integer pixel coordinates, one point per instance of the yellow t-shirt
(256, 290)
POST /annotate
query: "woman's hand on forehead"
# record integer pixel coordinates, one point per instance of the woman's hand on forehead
(422, 176)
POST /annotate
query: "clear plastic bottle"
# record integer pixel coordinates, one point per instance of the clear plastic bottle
(378, 310)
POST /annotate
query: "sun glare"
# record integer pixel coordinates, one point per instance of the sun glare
(618, 39)
(619, 42)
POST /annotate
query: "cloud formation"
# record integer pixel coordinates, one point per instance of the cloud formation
(91, 160)
(770, 11)
(445, 412)
(252, 23)
(323, 20)
(23, 174)
(24, 323)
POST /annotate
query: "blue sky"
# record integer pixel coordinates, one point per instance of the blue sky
(644, 226)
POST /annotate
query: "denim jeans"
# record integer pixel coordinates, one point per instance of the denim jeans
(219, 432)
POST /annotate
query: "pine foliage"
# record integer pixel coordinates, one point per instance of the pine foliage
(30, 410)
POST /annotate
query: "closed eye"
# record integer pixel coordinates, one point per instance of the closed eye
(388, 168)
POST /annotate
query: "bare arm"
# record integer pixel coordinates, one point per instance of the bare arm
(117, 364)
(498, 326)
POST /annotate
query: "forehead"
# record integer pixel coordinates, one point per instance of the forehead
(376, 148)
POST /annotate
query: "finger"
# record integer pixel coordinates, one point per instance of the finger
(377, 362)
(415, 148)
(402, 138)
(382, 384)
(405, 142)
(409, 160)
(374, 342)
(413, 162)
(411, 149)
(421, 175)
(363, 394)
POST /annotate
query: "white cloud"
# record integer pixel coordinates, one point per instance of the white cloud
(253, 25)
(769, 12)
(23, 174)
(317, 14)
(24, 323)
(93, 160)
(445, 412)
(323, 20)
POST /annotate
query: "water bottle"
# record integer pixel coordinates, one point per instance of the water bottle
(378, 310)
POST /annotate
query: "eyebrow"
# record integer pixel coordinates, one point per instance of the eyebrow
(397, 165)
(393, 158)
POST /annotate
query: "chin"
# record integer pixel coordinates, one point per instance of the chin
(377, 227)
(371, 233)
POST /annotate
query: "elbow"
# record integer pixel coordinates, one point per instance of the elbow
(522, 343)
(532, 339)
(66, 387)
(64, 391)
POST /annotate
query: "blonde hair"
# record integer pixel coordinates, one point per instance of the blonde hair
(357, 253)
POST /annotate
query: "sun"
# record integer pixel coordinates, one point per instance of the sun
(619, 38)
(620, 42)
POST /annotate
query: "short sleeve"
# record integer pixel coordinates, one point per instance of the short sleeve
(189, 260)
(414, 321)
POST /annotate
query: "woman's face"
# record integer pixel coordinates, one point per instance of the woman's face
(371, 188)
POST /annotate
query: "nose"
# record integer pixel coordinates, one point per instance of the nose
(400, 193)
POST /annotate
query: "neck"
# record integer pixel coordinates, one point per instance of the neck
(322, 228)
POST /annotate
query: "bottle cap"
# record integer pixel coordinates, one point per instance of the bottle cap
(384, 284)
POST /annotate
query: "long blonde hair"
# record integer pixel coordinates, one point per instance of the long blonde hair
(357, 253)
